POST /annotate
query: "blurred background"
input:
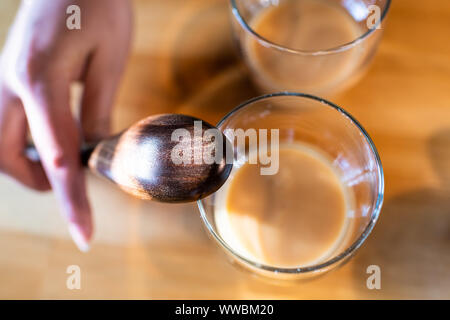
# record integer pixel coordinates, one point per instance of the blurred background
(183, 60)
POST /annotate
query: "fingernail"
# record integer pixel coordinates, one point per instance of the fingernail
(78, 238)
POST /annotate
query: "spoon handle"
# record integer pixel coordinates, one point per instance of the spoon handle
(86, 151)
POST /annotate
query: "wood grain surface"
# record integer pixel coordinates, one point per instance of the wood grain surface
(183, 61)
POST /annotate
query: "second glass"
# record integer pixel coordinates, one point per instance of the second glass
(314, 46)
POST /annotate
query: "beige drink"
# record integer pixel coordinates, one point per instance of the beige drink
(305, 25)
(296, 217)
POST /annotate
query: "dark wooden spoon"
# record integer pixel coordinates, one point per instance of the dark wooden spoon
(139, 160)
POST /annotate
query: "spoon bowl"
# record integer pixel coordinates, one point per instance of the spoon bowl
(145, 159)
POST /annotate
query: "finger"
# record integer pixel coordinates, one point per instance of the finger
(101, 82)
(13, 139)
(57, 140)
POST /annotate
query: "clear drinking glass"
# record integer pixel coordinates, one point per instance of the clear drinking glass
(314, 46)
(306, 119)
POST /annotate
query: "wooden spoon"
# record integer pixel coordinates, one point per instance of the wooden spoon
(139, 160)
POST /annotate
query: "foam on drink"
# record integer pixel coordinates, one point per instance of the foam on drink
(297, 217)
(306, 25)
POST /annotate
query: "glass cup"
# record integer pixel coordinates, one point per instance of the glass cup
(306, 119)
(319, 47)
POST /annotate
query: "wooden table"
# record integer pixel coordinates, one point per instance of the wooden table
(183, 61)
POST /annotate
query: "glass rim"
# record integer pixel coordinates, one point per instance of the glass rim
(337, 49)
(348, 252)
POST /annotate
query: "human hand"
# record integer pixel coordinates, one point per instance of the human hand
(40, 60)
